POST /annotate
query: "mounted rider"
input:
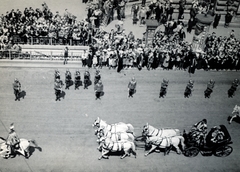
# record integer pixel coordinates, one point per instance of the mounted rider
(13, 139)
(68, 77)
(97, 76)
(58, 88)
(199, 131)
(132, 87)
(86, 79)
(17, 89)
(98, 88)
(56, 75)
(233, 88)
(163, 90)
(77, 79)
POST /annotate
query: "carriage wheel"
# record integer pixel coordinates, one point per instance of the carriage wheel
(223, 151)
(191, 152)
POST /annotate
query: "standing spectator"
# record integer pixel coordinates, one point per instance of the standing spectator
(84, 58)
(169, 11)
(65, 55)
(98, 88)
(216, 20)
(132, 87)
(228, 18)
(134, 10)
(142, 15)
(191, 23)
(181, 10)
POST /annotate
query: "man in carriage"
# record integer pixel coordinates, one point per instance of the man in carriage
(68, 78)
(58, 88)
(13, 139)
(199, 131)
(77, 79)
(86, 79)
(189, 89)
(17, 89)
(163, 90)
(209, 89)
(132, 87)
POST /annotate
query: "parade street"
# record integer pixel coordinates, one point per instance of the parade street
(63, 129)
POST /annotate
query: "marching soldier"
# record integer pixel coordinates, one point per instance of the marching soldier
(209, 89)
(68, 78)
(17, 89)
(97, 76)
(231, 91)
(86, 79)
(77, 79)
(163, 90)
(13, 140)
(56, 75)
(58, 88)
(189, 89)
(98, 88)
(132, 87)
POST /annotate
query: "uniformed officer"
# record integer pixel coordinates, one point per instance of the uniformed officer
(97, 76)
(17, 89)
(189, 89)
(98, 88)
(77, 79)
(13, 140)
(209, 89)
(56, 75)
(68, 78)
(86, 79)
(231, 91)
(132, 87)
(58, 88)
(163, 90)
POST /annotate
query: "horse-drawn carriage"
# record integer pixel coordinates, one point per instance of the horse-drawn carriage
(216, 143)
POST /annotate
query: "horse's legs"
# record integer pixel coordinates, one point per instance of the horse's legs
(152, 149)
(104, 152)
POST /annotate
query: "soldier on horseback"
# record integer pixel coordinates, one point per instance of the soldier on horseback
(132, 87)
(86, 79)
(77, 79)
(56, 75)
(68, 78)
(17, 89)
(97, 77)
(58, 88)
(98, 88)
(209, 89)
(13, 139)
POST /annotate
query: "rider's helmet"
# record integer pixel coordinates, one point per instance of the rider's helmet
(191, 81)
(165, 81)
(99, 82)
(97, 72)
(16, 80)
(236, 80)
(11, 126)
(211, 81)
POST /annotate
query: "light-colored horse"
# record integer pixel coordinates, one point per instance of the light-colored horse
(166, 143)
(149, 131)
(5, 149)
(235, 112)
(114, 136)
(107, 146)
(114, 128)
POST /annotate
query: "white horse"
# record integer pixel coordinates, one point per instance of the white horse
(114, 128)
(107, 146)
(235, 112)
(149, 131)
(165, 142)
(6, 152)
(114, 136)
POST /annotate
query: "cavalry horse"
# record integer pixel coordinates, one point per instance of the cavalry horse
(107, 146)
(166, 143)
(114, 128)
(6, 151)
(113, 136)
(149, 131)
(236, 113)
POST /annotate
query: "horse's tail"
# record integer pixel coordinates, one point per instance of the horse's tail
(133, 148)
(130, 129)
(182, 140)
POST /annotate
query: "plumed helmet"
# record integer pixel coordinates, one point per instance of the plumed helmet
(16, 80)
(100, 82)
(165, 81)
(191, 81)
(211, 81)
(11, 126)
(133, 79)
(236, 80)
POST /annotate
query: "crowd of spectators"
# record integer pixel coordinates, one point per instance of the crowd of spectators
(116, 49)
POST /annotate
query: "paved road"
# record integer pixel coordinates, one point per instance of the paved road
(64, 132)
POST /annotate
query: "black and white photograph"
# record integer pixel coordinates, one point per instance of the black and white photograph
(119, 85)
